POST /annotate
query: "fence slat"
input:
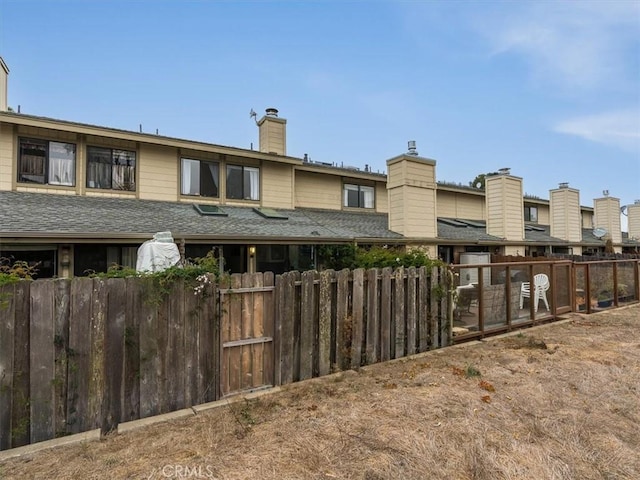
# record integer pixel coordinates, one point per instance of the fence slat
(20, 414)
(343, 320)
(434, 331)
(208, 354)
(188, 349)
(257, 330)
(398, 324)
(150, 367)
(7, 334)
(130, 409)
(411, 310)
(385, 315)
(307, 321)
(269, 329)
(373, 317)
(287, 319)
(61, 291)
(42, 332)
(113, 354)
(96, 354)
(246, 331)
(423, 310)
(324, 322)
(357, 322)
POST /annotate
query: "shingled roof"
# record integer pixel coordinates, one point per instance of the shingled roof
(35, 214)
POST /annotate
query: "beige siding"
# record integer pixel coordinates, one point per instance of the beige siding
(382, 200)
(607, 216)
(460, 205)
(158, 173)
(633, 212)
(315, 190)
(565, 214)
(7, 171)
(411, 211)
(587, 218)
(505, 207)
(544, 214)
(277, 185)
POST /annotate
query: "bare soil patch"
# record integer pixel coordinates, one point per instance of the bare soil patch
(557, 402)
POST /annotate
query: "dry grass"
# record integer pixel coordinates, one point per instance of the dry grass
(561, 402)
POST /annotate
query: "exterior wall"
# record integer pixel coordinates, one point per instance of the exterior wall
(516, 250)
(315, 190)
(273, 135)
(587, 218)
(7, 171)
(607, 216)
(158, 173)
(505, 207)
(460, 205)
(633, 212)
(412, 196)
(565, 214)
(277, 185)
(544, 215)
(382, 199)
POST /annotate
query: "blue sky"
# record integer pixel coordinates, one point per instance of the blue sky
(549, 89)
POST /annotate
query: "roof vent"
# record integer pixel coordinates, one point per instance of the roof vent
(605, 193)
(271, 112)
(636, 202)
(563, 185)
(412, 147)
(504, 171)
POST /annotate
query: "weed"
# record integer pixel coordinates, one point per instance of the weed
(471, 372)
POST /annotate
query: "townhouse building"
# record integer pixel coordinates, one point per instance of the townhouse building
(77, 198)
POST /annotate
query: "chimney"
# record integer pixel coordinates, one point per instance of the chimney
(4, 82)
(633, 215)
(606, 215)
(273, 133)
(566, 219)
(504, 206)
(411, 186)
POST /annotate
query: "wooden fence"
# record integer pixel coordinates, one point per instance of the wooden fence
(85, 353)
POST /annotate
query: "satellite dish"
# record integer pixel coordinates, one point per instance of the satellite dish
(623, 210)
(599, 232)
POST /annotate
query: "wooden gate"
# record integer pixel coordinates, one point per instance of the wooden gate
(246, 333)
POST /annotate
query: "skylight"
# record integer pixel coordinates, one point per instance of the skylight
(209, 210)
(270, 213)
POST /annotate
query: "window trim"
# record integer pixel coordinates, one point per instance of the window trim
(47, 162)
(111, 150)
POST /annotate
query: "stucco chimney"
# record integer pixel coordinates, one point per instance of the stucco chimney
(606, 215)
(566, 219)
(411, 186)
(273, 133)
(504, 206)
(633, 215)
(4, 81)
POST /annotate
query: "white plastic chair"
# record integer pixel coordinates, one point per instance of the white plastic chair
(540, 287)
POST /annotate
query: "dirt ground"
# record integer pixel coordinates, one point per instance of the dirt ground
(556, 402)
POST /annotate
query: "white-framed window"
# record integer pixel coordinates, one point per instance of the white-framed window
(358, 196)
(243, 183)
(200, 178)
(46, 162)
(111, 169)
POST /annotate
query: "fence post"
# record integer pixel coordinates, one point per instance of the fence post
(357, 319)
(373, 317)
(398, 324)
(324, 322)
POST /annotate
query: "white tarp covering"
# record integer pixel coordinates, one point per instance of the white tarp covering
(158, 254)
